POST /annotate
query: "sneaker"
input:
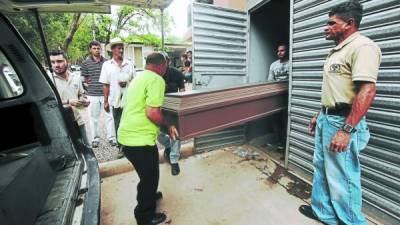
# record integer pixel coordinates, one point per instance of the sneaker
(113, 143)
(175, 170)
(307, 211)
(95, 144)
(157, 219)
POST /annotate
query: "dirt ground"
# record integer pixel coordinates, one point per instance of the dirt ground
(232, 186)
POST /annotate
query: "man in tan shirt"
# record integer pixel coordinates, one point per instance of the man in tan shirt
(340, 129)
(70, 88)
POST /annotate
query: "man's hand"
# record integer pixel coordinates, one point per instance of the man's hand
(106, 106)
(75, 103)
(84, 101)
(340, 141)
(312, 124)
(173, 132)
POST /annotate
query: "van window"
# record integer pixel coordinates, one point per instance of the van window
(10, 85)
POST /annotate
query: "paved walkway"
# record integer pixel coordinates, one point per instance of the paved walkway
(223, 187)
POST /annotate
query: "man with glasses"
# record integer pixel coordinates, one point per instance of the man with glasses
(340, 128)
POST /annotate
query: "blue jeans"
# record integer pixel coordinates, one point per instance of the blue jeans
(175, 146)
(336, 193)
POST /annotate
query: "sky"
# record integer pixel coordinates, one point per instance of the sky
(178, 11)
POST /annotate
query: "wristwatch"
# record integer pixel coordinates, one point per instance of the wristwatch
(347, 128)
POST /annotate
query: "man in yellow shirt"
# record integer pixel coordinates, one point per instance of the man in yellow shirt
(340, 128)
(137, 133)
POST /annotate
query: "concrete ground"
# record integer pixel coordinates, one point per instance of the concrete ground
(231, 186)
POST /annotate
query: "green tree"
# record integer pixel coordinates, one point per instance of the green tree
(73, 31)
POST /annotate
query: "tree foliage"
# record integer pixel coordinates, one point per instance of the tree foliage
(73, 31)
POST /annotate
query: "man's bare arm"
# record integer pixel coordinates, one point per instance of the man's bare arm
(366, 92)
(154, 114)
(106, 93)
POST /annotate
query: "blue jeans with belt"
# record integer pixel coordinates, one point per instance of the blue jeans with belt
(336, 192)
(175, 146)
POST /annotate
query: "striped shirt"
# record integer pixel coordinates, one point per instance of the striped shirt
(91, 68)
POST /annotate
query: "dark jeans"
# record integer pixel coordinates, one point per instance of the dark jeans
(117, 113)
(146, 163)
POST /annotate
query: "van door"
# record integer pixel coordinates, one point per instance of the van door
(220, 43)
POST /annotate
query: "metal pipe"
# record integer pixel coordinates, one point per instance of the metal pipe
(162, 29)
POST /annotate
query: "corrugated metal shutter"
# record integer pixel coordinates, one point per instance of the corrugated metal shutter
(219, 60)
(219, 46)
(381, 159)
(220, 139)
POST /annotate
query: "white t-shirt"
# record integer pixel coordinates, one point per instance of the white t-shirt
(112, 74)
(278, 71)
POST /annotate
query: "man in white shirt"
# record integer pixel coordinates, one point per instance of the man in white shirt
(116, 74)
(70, 89)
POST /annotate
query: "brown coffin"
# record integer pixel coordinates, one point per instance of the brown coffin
(199, 112)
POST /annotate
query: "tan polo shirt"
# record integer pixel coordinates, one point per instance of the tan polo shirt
(70, 89)
(355, 59)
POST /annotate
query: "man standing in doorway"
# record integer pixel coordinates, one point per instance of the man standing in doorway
(340, 128)
(70, 89)
(138, 131)
(90, 70)
(174, 82)
(116, 74)
(279, 70)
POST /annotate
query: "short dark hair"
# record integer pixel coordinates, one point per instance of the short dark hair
(347, 10)
(93, 43)
(58, 52)
(281, 44)
(155, 58)
(189, 52)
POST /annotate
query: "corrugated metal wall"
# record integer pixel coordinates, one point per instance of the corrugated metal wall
(381, 159)
(219, 60)
(219, 46)
(220, 139)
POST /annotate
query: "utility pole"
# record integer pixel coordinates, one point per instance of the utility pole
(93, 28)
(162, 29)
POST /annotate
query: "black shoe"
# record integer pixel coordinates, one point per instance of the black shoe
(175, 169)
(159, 195)
(307, 211)
(167, 151)
(157, 219)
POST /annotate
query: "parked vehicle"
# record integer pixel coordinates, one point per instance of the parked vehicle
(48, 176)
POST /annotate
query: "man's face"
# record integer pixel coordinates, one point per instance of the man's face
(95, 50)
(335, 28)
(281, 52)
(117, 51)
(59, 64)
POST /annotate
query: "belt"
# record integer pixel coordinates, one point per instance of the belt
(343, 111)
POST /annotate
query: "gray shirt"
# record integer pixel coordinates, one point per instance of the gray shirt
(278, 71)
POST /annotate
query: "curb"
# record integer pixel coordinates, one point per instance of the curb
(123, 165)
